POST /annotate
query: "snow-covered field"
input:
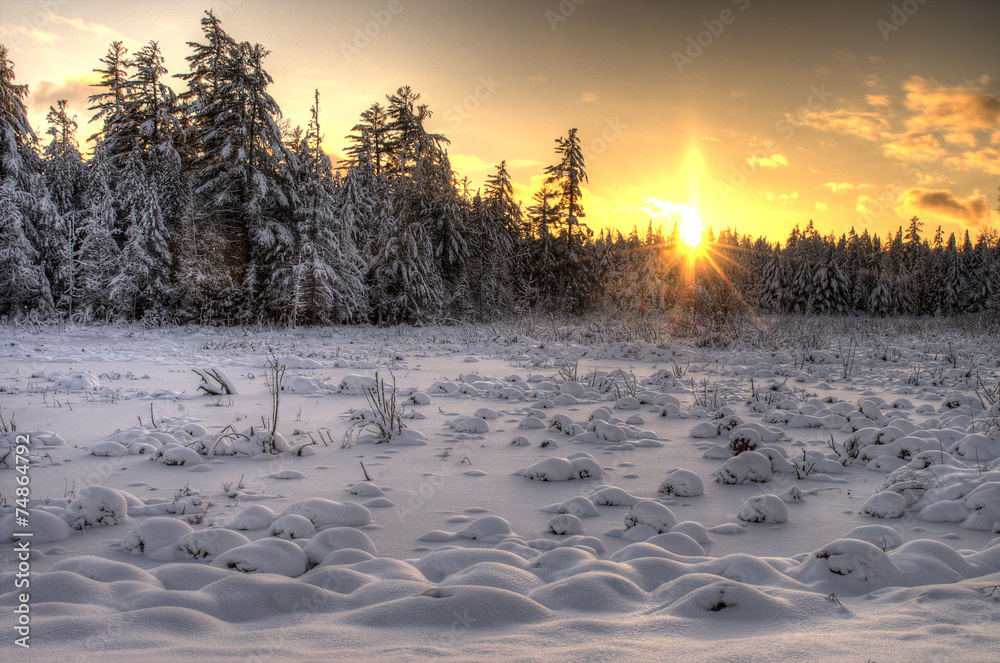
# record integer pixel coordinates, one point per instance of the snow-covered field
(554, 495)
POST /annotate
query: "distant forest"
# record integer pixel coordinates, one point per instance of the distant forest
(207, 207)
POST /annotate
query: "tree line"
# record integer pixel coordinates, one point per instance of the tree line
(208, 206)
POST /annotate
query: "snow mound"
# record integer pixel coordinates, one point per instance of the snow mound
(366, 489)
(885, 505)
(462, 607)
(652, 514)
(847, 567)
(882, 536)
(264, 556)
(470, 425)
(764, 509)
(595, 591)
(612, 496)
(565, 524)
(498, 576)
(97, 506)
(253, 517)
(291, 526)
(445, 561)
(682, 483)
(109, 449)
(326, 513)
(678, 543)
(579, 506)
(491, 529)
(579, 466)
(335, 539)
(208, 544)
(748, 466)
(153, 534)
(45, 527)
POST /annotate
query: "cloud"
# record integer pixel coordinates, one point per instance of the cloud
(538, 78)
(17, 34)
(774, 161)
(956, 109)
(956, 126)
(659, 209)
(465, 164)
(863, 124)
(986, 160)
(871, 81)
(821, 207)
(911, 148)
(589, 96)
(523, 163)
(974, 209)
(839, 187)
(781, 197)
(74, 90)
(80, 25)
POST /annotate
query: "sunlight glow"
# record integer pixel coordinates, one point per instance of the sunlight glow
(691, 227)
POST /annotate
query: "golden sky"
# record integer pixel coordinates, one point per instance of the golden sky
(760, 114)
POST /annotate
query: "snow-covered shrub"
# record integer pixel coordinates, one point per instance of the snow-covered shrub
(564, 524)
(578, 466)
(326, 513)
(264, 556)
(885, 505)
(45, 527)
(253, 517)
(748, 466)
(764, 509)
(97, 506)
(652, 514)
(292, 526)
(207, 544)
(154, 533)
(337, 538)
(743, 439)
(682, 483)
(486, 528)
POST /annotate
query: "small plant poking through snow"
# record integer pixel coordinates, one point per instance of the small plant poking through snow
(275, 379)
(387, 419)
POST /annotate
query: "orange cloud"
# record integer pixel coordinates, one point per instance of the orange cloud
(773, 161)
(74, 90)
(959, 109)
(863, 124)
(974, 209)
(986, 160)
(923, 147)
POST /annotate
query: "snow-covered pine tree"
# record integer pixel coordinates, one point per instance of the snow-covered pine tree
(18, 158)
(326, 280)
(110, 103)
(99, 255)
(369, 142)
(23, 286)
(544, 256)
(65, 181)
(423, 185)
(142, 286)
(567, 175)
(239, 178)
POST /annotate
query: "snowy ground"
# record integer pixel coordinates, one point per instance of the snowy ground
(554, 496)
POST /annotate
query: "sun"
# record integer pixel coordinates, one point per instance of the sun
(691, 227)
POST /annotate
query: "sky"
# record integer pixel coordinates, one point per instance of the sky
(758, 114)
